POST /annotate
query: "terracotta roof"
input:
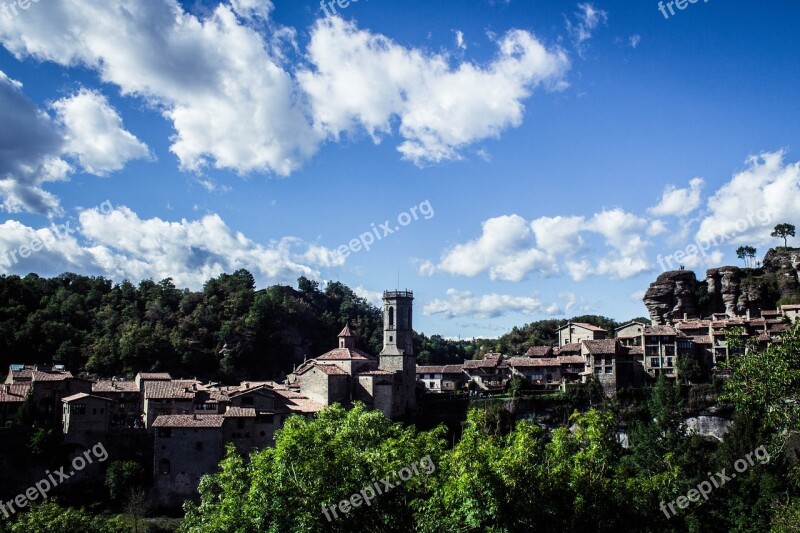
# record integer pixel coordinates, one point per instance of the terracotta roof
(330, 370)
(490, 360)
(765, 314)
(607, 346)
(539, 351)
(294, 402)
(571, 359)
(792, 307)
(57, 375)
(106, 385)
(590, 327)
(376, 373)
(345, 354)
(701, 339)
(693, 324)
(188, 421)
(82, 396)
(240, 412)
(635, 350)
(660, 330)
(568, 348)
(161, 376)
(523, 362)
(346, 332)
(14, 393)
(431, 369)
(171, 390)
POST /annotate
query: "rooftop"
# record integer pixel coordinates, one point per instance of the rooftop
(189, 421)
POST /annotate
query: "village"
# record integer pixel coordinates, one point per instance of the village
(190, 422)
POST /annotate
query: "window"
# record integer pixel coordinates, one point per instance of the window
(199, 446)
(608, 360)
(391, 317)
(669, 361)
(78, 409)
(654, 362)
(164, 467)
(609, 370)
(597, 369)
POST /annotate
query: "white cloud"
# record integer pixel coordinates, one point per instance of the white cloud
(559, 235)
(505, 250)
(460, 44)
(119, 244)
(373, 297)
(241, 95)
(679, 202)
(588, 19)
(94, 134)
(634, 40)
(464, 303)
(745, 209)
(365, 80)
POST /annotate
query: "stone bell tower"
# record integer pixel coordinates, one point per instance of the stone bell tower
(398, 347)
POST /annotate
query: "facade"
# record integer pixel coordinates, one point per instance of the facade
(441, 378)
(489, 373)
(12, 397)
(577, 332)
(346, 374)
(85, 418)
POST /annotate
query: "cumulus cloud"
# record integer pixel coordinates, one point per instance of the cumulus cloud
(242, 96)
(464, 303)
(679, 202)
(365, 80)
(510, 248)
(94, 134)
(118, 244)
(30, 149)
(746, 208)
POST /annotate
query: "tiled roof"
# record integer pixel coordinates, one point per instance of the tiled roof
(82, 396)
(376, 373)
(590, 327)
(14, 393)
(294, 402)
(571, 359)
(430, 369)
(659, 330)
(606, 346)
(346, 332)
(490, 360)
(533, 361)
(39, 375)
(155, 375)
(701, 339)
(345, 354)
(569, 348)
(106, 385)
(635, 350)
(240, 412)
(330, 370)
(539, 351)
(189, 421)
(792, 307)
(170, 390)
(693, 324)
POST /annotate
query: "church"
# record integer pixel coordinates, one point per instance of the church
(346, 374)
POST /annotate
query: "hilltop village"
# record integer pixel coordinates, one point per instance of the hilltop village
(188, 423)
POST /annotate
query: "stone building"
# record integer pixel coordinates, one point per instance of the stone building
(577, 332)
(347, 374)
(49, 385)
(86, 418)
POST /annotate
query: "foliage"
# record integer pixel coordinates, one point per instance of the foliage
(783, 231)
(49, 517)
(747, 253)
(45, 442)
(123, 478)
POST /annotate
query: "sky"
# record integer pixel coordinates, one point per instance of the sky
(508, 161)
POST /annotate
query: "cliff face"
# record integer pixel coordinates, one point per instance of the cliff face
(729, 289)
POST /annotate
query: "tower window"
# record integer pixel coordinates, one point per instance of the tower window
(391, 316)
(391, 339)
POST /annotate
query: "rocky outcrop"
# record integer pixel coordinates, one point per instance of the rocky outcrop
(729, 289)
(671, 296)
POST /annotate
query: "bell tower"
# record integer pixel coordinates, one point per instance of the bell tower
(398, 347)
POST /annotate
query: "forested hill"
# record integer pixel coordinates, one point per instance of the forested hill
(226, 331)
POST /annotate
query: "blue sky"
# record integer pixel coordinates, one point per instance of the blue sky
(559, 151)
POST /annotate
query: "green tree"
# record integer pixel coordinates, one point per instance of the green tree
(49, 517)
(123, 478)
(783, 231)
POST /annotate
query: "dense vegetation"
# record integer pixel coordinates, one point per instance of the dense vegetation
(526, 478)
(227, 331)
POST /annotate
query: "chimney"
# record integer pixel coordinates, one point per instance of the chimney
(748, 314)
(685, 317)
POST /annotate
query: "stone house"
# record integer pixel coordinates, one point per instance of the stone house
(611, 363)
(441, 378)
(543, 373)
(126, 401)
(11, 398)
(86, 418)
(577, 332)
(49, 385)
(489, 373)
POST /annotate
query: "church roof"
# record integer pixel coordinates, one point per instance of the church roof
(346, 332)
(344, 354)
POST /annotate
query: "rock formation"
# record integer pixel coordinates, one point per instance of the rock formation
(730, 290)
